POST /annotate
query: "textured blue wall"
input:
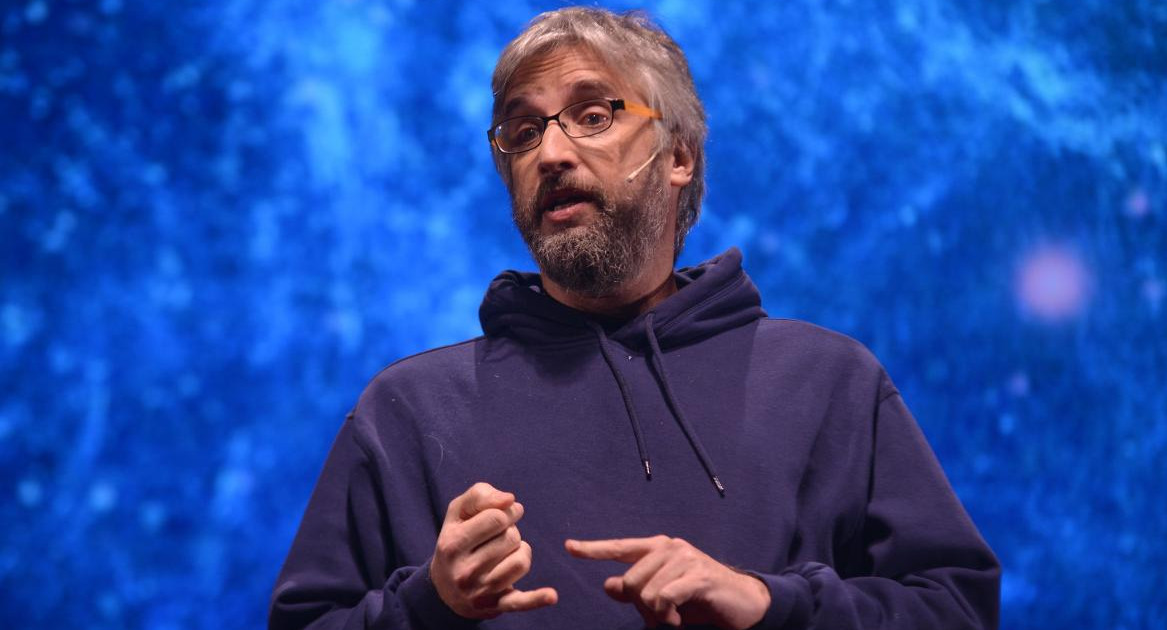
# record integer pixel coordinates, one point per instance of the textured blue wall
(219, 219)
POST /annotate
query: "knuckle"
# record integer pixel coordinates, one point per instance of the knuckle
(447, 545)
(661, 539)
(491, 584)
(475, 494)
(501, 582)
(463, 578)
(497, 518)
(668, 596)
(452, 507)
(513, 538)
(524, 564)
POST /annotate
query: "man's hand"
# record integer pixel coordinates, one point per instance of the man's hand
(480, 556)
(673, 582)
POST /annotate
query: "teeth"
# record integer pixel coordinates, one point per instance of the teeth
(564, 203)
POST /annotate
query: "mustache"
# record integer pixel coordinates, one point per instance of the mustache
(555, 190)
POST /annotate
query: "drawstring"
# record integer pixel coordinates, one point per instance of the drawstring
(659, 368)
(602, 337)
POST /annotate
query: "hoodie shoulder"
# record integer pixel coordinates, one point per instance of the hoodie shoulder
(406, 391)
(796, 330)
(426, 367)
(822, 348)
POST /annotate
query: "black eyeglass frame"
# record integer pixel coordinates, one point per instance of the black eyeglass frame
(616, 104)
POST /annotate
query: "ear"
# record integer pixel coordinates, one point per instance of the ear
(682, 172)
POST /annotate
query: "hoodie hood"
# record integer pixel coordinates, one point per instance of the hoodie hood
(711, 297)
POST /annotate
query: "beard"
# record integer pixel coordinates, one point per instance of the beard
(595, 259)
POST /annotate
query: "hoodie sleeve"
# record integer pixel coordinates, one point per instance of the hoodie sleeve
(340, 572)
(916, 562)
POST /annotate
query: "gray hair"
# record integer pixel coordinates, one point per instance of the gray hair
(628, 40)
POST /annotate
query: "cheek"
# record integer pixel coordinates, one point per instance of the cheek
(522, 179)
(610, 164)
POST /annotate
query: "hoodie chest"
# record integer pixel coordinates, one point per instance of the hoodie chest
(561, 432)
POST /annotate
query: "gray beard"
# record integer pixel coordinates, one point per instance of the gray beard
(596, 259)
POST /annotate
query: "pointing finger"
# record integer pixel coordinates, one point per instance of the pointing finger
(619, 549)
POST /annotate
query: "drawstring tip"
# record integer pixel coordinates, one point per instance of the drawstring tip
(717, 483)
(647, 469)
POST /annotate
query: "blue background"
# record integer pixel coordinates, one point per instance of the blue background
(220, 219)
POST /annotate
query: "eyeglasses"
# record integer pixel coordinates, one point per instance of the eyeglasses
(579, 120)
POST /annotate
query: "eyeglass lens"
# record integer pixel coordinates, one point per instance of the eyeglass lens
(577, 120)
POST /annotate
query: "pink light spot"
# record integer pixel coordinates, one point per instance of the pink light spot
(1138, 204)
(1019, 384)
(1052, 285)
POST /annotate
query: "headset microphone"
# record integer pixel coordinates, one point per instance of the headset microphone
(633, 174)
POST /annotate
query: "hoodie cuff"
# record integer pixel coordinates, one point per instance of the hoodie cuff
(425, 607)
(791, 602)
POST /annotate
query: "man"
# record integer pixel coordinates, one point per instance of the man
(628, 445)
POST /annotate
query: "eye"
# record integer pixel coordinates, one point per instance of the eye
(594, 119)
(520, 131)
(593, 116)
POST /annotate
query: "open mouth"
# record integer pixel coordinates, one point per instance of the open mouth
(563, 199)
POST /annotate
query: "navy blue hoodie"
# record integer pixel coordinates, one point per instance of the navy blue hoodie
(774, 446)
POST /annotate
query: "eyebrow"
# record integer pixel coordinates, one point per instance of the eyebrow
(580, 91)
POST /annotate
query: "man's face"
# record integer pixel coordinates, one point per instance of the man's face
(588, 228)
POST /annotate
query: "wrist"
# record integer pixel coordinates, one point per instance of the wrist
(425, 607)
(756, 598)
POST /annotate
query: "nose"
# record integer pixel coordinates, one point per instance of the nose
(556, 151)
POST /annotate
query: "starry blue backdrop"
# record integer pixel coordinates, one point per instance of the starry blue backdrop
(219, 219)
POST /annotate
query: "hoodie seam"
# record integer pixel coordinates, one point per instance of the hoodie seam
(677, 321)
(423, 353)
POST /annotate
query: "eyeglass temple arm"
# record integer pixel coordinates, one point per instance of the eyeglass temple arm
(639, 110)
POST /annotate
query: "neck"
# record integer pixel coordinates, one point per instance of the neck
(635, 298)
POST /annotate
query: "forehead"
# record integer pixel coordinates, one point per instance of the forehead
(561, 76)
